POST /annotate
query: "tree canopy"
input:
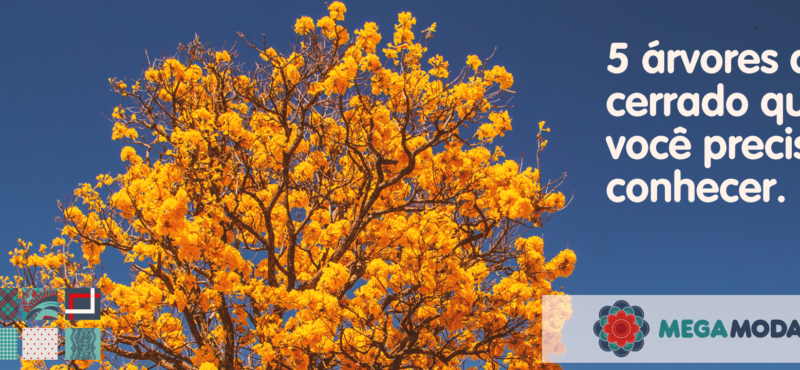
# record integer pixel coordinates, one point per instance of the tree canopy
(340, 204)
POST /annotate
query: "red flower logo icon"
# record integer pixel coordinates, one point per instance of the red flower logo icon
(621, 328)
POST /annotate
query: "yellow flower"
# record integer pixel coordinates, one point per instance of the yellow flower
(368, 38)
(303, 25)
(222, 56)
(119, 113)
(499, 74)
(326, 24)
(403, 32)
(128, 154)
(439, 66)
(337, 10)
(474, 62)
(269, 54)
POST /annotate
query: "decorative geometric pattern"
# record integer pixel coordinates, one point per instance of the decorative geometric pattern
(621, 328)
(39, 304)
(9, 347)
(8, 303)
(82, 304)
(82, 344)
(40, 344)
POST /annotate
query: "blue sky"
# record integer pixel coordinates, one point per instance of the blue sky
(56, 59)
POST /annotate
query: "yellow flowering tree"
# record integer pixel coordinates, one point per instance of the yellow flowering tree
(339, 205)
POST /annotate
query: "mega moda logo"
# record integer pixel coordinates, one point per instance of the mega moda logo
(621, 328)
(678, 329)
(703, 329)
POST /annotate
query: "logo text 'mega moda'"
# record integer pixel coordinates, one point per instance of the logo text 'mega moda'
(621, 328)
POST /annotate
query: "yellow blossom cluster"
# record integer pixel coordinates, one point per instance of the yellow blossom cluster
(326, 209)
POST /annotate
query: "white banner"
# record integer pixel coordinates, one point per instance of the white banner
(671, 329)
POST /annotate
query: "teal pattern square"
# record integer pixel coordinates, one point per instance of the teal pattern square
(82, 344)
(9, 303)
(9, 344)
(39, 304)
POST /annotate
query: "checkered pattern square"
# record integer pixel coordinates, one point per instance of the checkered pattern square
(9, 303)
(9, 344)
